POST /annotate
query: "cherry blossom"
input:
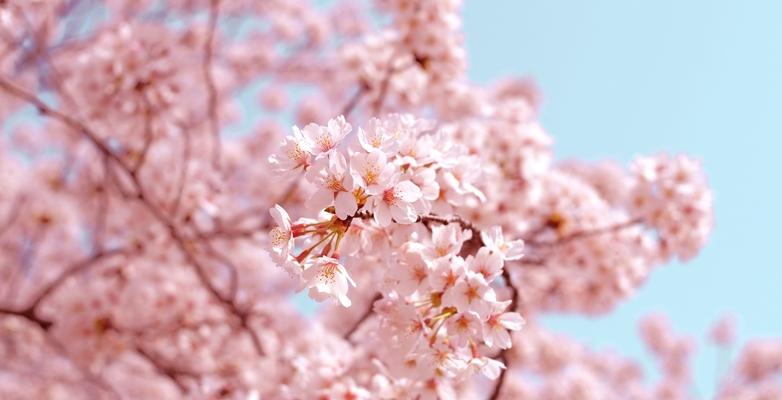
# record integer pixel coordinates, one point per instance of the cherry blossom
(293, 156)
(395, 201)
(319, 140)
(152, 239)
(281, 237)
(335, 185)
(497, 327)
(371, 171)
(494, 240)
(327, 278)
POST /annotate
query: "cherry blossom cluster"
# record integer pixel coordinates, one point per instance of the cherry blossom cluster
(670, 194)
(415, 60)
(392, 171)
(756, 373)
(440, 314)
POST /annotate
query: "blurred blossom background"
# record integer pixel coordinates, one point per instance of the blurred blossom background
(621, 78)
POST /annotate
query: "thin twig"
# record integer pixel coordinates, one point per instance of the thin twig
(368, 313)
(289, 193)
(211, 87)
(140, 195)
(182, 172)
(354, 100)
(495, 393)
(503, 357)
(74, 269)
(13, 213)
(101, 215)
(44, 325)
(233, 285)
(29, 315)
(167, 370)
(148, 138)
(583, 234)
(74, 124)
(476, 233)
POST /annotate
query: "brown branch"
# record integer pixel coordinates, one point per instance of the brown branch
(289, 193)
(29, 315)
(426, 219)
(200, 270)
(514, 299)
(583, 234)
(432, 218)
(140, 196)
(233, 285)
(148, 138)
(377, 105)
(470, 247)
(167, 370)
(74, 124)
(365, 316)
(30, 312)
(74, 269)
(503, 356)
(26, 259)
(182, 172)
(103, 208)
(211, 87)
(13, 213)
(44, 325)
(354, 100)
(230, 234)
(495, 393)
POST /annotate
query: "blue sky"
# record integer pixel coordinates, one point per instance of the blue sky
(627, 77)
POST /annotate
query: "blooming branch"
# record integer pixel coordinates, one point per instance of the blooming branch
(141, 241)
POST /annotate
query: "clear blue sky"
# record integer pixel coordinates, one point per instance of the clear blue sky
(628, 77)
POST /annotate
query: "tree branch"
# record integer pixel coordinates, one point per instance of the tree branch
(29, 315)
(426, 219)
(211, 87)
(583, 234)
(354, 100)
(140, 196)
(514, 304)
(365, 316)
(44, 326)
(167, 370)
(76, 268)
(377, 105)
(13, 213)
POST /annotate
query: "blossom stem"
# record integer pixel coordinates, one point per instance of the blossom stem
(309, 250)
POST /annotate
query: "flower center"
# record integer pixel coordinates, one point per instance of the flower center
(471, 293)
(279, 236)
(419, 273)
(324, 142)
(371, 174)
(296, 154)
(328, 273)
(375, 141)
(389, 197)
(334, 183)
